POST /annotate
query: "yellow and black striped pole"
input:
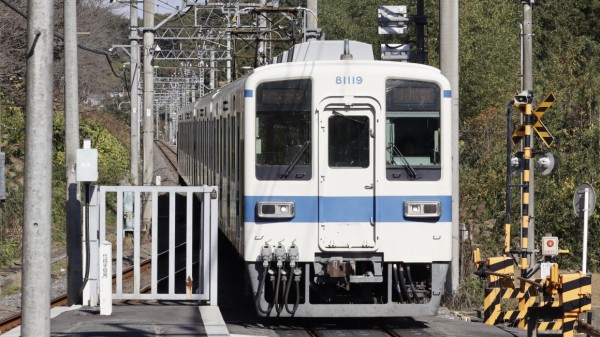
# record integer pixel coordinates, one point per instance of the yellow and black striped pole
(509, 113)
(527, 122)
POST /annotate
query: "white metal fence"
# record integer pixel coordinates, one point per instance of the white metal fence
(180, 239)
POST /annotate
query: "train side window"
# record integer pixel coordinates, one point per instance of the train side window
(283, 130)
(412, 130)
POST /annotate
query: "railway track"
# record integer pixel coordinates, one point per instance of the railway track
(363, 328)
(169, 151)
(15, 320)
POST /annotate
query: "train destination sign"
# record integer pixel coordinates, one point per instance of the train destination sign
(412, 96)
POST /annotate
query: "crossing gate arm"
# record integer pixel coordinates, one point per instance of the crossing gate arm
(586, 328)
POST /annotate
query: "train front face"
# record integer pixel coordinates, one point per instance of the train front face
(347, 205)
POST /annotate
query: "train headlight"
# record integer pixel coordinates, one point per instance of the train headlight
(275, 209)
(422, 209)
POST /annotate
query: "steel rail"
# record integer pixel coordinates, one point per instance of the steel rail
(14, 321)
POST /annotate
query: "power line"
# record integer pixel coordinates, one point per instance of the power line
(62, 38)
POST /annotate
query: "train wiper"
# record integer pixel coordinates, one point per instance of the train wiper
(393, 150)
(295, 160)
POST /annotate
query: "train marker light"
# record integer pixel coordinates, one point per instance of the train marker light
(422, 209)
(276, 209)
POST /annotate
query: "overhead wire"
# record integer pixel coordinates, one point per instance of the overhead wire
(157, 5)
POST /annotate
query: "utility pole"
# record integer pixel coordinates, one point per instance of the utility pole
(148, 108)
(135, 82)
(528, 86)
(73, 207)
(261, 48)
(37, 219)
(311, 32)
(450, 66)
(420, 21)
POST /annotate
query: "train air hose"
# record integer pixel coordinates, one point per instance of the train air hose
(412, 285)
(278, 307)
(259, 293)
(403, 284)
(296, 274)
(396, 282)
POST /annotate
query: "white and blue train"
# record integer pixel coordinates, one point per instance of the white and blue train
(335, 180)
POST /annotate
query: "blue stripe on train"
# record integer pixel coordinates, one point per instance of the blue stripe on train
(347, 209)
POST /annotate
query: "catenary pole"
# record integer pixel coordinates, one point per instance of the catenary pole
(135, 82)
(148, 141)
(37, 220)
(73, 207)
(449, 67)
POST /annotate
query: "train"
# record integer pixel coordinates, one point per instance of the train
(334, 176)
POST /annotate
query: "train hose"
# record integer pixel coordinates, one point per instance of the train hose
(279, 306)
(412, 285)
(287, 294)
(403, 284)
(396, 282)
(259, 291)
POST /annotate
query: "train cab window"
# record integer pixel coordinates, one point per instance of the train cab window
(412, 130)
(283, 130)
(348, 141)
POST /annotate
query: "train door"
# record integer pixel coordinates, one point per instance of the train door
(346, 141)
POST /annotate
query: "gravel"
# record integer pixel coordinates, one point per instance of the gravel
(10, 304)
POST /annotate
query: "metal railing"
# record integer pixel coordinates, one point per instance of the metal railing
(181, 238)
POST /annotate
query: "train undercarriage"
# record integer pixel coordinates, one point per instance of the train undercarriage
(347, 285)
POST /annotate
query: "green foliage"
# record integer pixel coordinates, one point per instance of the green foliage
(11, 211)
(468, 296)
(113, 167)
(357, 20)
(566, 49)
(113, 156)
(10, 249)
(489, 55)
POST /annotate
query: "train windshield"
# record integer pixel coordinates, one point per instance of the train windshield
(412, 130)
(283, 130)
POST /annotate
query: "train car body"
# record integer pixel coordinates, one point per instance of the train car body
(335, 180)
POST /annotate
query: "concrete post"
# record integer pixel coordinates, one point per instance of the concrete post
(311, 20)
(528, 85)
(73, 206)
(148, 178)
(450, 67)
(37, 220)
(135, 82)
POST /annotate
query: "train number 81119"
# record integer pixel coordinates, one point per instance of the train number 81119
(348, 80)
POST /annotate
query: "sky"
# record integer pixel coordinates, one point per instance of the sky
(160, 6)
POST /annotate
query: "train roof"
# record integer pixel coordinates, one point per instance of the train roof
(325, 51)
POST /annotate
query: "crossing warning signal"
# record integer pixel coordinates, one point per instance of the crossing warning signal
(538, 126)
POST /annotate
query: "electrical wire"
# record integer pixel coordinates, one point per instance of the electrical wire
(168, 4)
(62, 38)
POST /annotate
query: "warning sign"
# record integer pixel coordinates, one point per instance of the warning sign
(538, 126)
